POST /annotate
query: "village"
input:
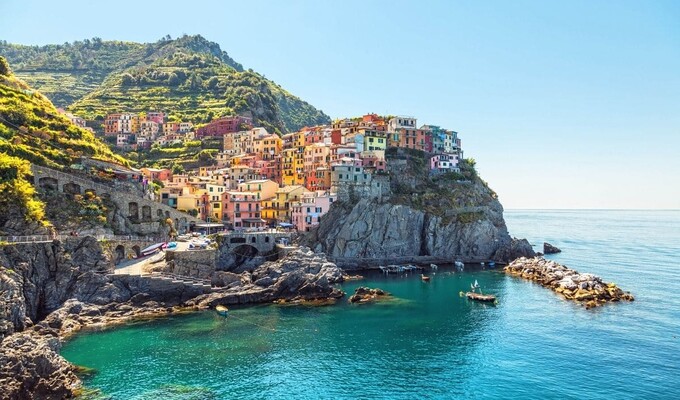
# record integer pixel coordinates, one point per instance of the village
(261, 179)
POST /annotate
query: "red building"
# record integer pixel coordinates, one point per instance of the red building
(224, 125)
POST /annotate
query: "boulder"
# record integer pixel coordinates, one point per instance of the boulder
(550, 249)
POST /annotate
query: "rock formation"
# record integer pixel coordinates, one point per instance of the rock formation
(550, 249)
(302, 274)
(52, 290)
(586, 289)
(363, 294)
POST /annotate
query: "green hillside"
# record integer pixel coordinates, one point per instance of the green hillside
(189, 77)
(31, 128)
(33, 131)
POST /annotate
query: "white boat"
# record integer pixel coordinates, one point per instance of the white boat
(151, 249)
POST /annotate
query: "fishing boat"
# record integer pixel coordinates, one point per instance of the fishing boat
(152, 249)
(481, 297)
(485, 298)
(425, 278)
(222, 310)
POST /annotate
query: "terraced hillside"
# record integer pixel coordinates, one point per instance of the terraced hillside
(189, 76)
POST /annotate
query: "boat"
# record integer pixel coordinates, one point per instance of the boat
(481, 297)
(485, 298)
(222, 310)
(434, 266)
(425, 278)
(152, 249)
(171, 245)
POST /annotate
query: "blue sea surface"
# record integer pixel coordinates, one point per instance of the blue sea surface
(429, 342)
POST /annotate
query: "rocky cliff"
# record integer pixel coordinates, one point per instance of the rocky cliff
(426, 217)
(48, 291)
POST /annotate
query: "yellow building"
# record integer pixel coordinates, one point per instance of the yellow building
(265, 188)
(268, 146)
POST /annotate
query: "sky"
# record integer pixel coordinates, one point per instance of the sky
(572, 104)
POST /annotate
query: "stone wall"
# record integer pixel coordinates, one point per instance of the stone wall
(378, 188)
(131, 214)
(195, 263)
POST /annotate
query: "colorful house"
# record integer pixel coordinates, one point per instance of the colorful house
(242, 210)
(308, 212)
(221, 126)
(278, 208)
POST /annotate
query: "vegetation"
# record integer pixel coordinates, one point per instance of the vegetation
(16, 190)
(32, 129)
(189, 76)
(452, 196)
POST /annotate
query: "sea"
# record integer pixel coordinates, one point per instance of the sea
(428, 342)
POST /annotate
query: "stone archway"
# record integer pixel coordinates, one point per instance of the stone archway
(133, 210)
(119, 254)
(146, 213)
(137, 250)
(71, 188)
(245, 251)
(48, 183)
(159, 213)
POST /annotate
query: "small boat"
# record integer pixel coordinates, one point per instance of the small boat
(152, 249)
(434, 267)
(222, 310)
(425, 278)
(171, 245)
(473, 295)
(486, 298)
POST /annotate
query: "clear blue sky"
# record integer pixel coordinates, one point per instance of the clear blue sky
(563, 105)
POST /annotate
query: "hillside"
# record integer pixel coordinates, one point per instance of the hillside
(190, 77)
(33, 131)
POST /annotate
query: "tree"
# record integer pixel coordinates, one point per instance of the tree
(127, 79)
(177, 169)
(4, 67)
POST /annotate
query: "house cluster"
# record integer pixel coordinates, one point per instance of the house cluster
(141, 131)
(262, 179)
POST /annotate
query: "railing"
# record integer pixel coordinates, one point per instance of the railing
(49, 238)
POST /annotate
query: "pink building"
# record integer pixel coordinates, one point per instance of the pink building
(224, 125)
(242, 210)
(156, 116)
(373, 160)
(313, 206)
(444, 163)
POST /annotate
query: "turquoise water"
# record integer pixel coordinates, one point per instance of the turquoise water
(429, 342)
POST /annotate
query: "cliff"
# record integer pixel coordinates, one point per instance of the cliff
(444, 217)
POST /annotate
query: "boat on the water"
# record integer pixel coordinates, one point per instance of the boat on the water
(425, 278)
(485, 298)
(222, 310)
(481, 297)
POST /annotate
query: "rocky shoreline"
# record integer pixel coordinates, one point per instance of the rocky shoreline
(54, 290)
(586, 289)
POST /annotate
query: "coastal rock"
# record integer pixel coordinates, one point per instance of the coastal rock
(31, 367)
(364, 294)
(550, 249)
(389, 233)
(584, 288)
(300, 275)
